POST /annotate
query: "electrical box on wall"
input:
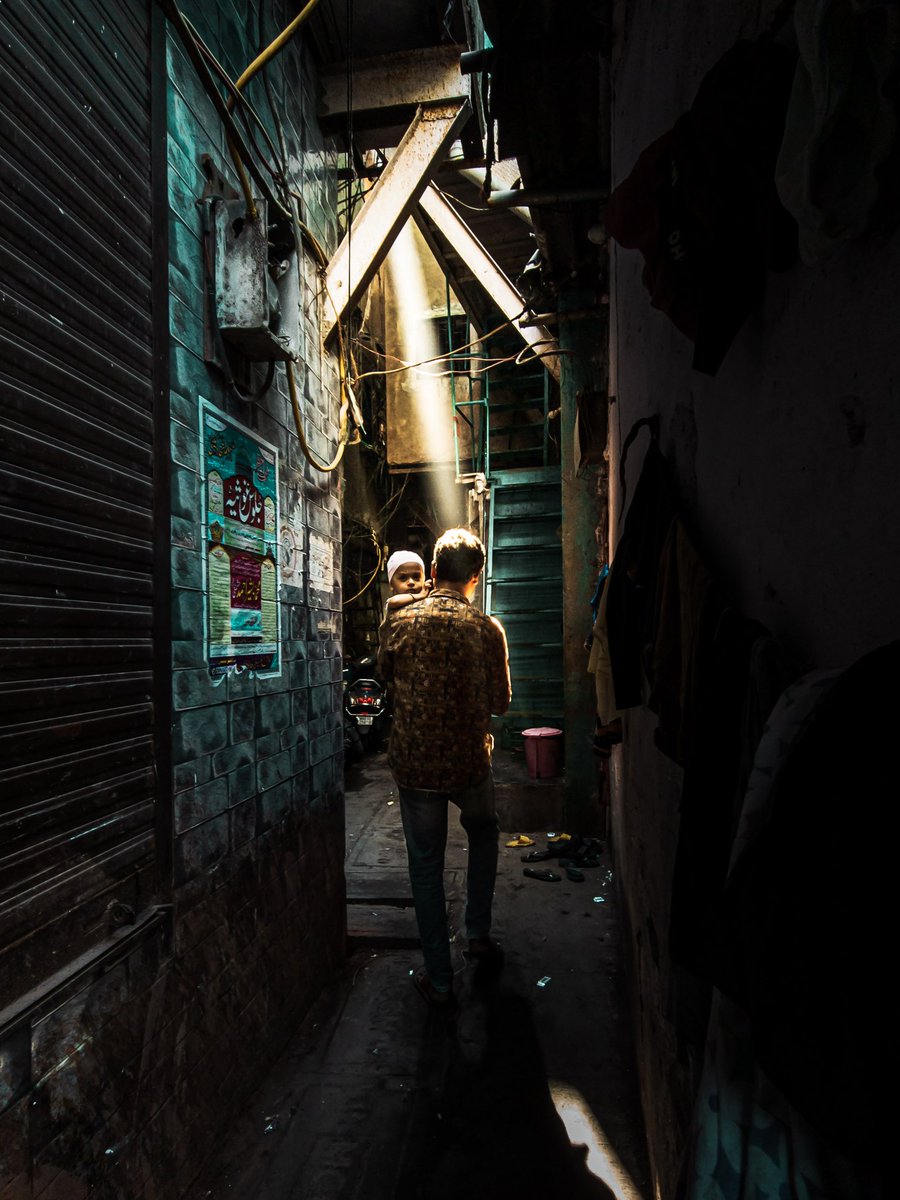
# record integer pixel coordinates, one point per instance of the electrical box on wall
(257, 284)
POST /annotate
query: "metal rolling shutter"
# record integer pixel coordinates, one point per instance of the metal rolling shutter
(76, 479)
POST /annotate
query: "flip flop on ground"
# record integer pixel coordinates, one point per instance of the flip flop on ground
(538, 856)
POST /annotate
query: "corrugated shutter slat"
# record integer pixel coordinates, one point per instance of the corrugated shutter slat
(77, 780)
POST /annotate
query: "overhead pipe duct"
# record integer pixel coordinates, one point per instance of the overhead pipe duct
(471, 61)
(536, 197)
(477, 175)
(553, 318)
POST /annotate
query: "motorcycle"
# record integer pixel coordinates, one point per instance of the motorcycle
(365, 707)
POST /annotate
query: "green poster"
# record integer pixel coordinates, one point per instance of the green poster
(242, 609)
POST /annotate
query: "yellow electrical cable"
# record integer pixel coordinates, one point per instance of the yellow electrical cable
(346, 395)
(489, 365)
(441, 357)
(342, 434)
(374, 574)
(271, 50)
(348, 400)
(193, 46)
(258, 63)
(343, 354)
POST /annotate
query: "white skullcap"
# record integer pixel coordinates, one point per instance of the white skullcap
(399, 557)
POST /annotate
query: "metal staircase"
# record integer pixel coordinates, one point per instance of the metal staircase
(523, 591)
(501, 432)
(503, 413)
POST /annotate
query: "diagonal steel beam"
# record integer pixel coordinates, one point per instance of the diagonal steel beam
(388, 205)
(451, 226)
(468, 292)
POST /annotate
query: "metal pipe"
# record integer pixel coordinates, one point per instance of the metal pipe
(552, 318)
(535, 197)
(476, 60)
(477, 176)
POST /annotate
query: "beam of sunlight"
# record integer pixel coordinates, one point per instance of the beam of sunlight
(584, 1130)
(428, 397)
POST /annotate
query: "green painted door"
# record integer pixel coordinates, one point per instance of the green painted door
(524, 592)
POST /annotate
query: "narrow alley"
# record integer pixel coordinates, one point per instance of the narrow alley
(529, 1091)
(492, 399)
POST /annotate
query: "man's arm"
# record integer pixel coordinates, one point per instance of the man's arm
(384, 660)
(499, 686)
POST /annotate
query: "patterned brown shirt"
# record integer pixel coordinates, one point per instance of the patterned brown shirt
(449, 669)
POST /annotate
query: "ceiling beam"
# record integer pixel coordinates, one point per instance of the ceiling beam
(386, 91)
(387, 206)
(452, 227)
(409, 78)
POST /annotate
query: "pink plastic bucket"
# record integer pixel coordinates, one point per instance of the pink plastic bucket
(543, 751)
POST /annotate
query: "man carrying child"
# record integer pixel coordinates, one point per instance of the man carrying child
(449, 669)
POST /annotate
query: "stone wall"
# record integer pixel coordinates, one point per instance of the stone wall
(143, 1061)
(259, 916)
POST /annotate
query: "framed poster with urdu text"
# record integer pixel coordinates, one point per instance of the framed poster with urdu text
(242, 614)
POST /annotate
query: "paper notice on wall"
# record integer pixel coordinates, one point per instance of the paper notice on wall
(292, 552)
(321, 563)
(242, 547)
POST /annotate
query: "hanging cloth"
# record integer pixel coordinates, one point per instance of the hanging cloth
(701, 206)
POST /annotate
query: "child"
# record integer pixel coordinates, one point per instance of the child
(406, 576)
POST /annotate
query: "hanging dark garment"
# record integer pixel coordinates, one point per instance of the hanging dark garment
(711, 793)
(701, 206)
(686, 594)
(633, 574)
(837, 167)
(806, 925)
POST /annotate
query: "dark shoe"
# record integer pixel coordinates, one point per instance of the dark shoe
(546, 876)
(588, 854)
(486, 951)
(430, 994)
(538, 856)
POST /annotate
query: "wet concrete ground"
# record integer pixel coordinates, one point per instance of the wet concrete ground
(528, 1092)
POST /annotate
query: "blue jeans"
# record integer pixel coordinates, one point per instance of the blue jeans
(424, 817)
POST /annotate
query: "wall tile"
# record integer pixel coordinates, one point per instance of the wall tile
(201, 848)
(199, 804)
(241, 720)
(199, 731)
